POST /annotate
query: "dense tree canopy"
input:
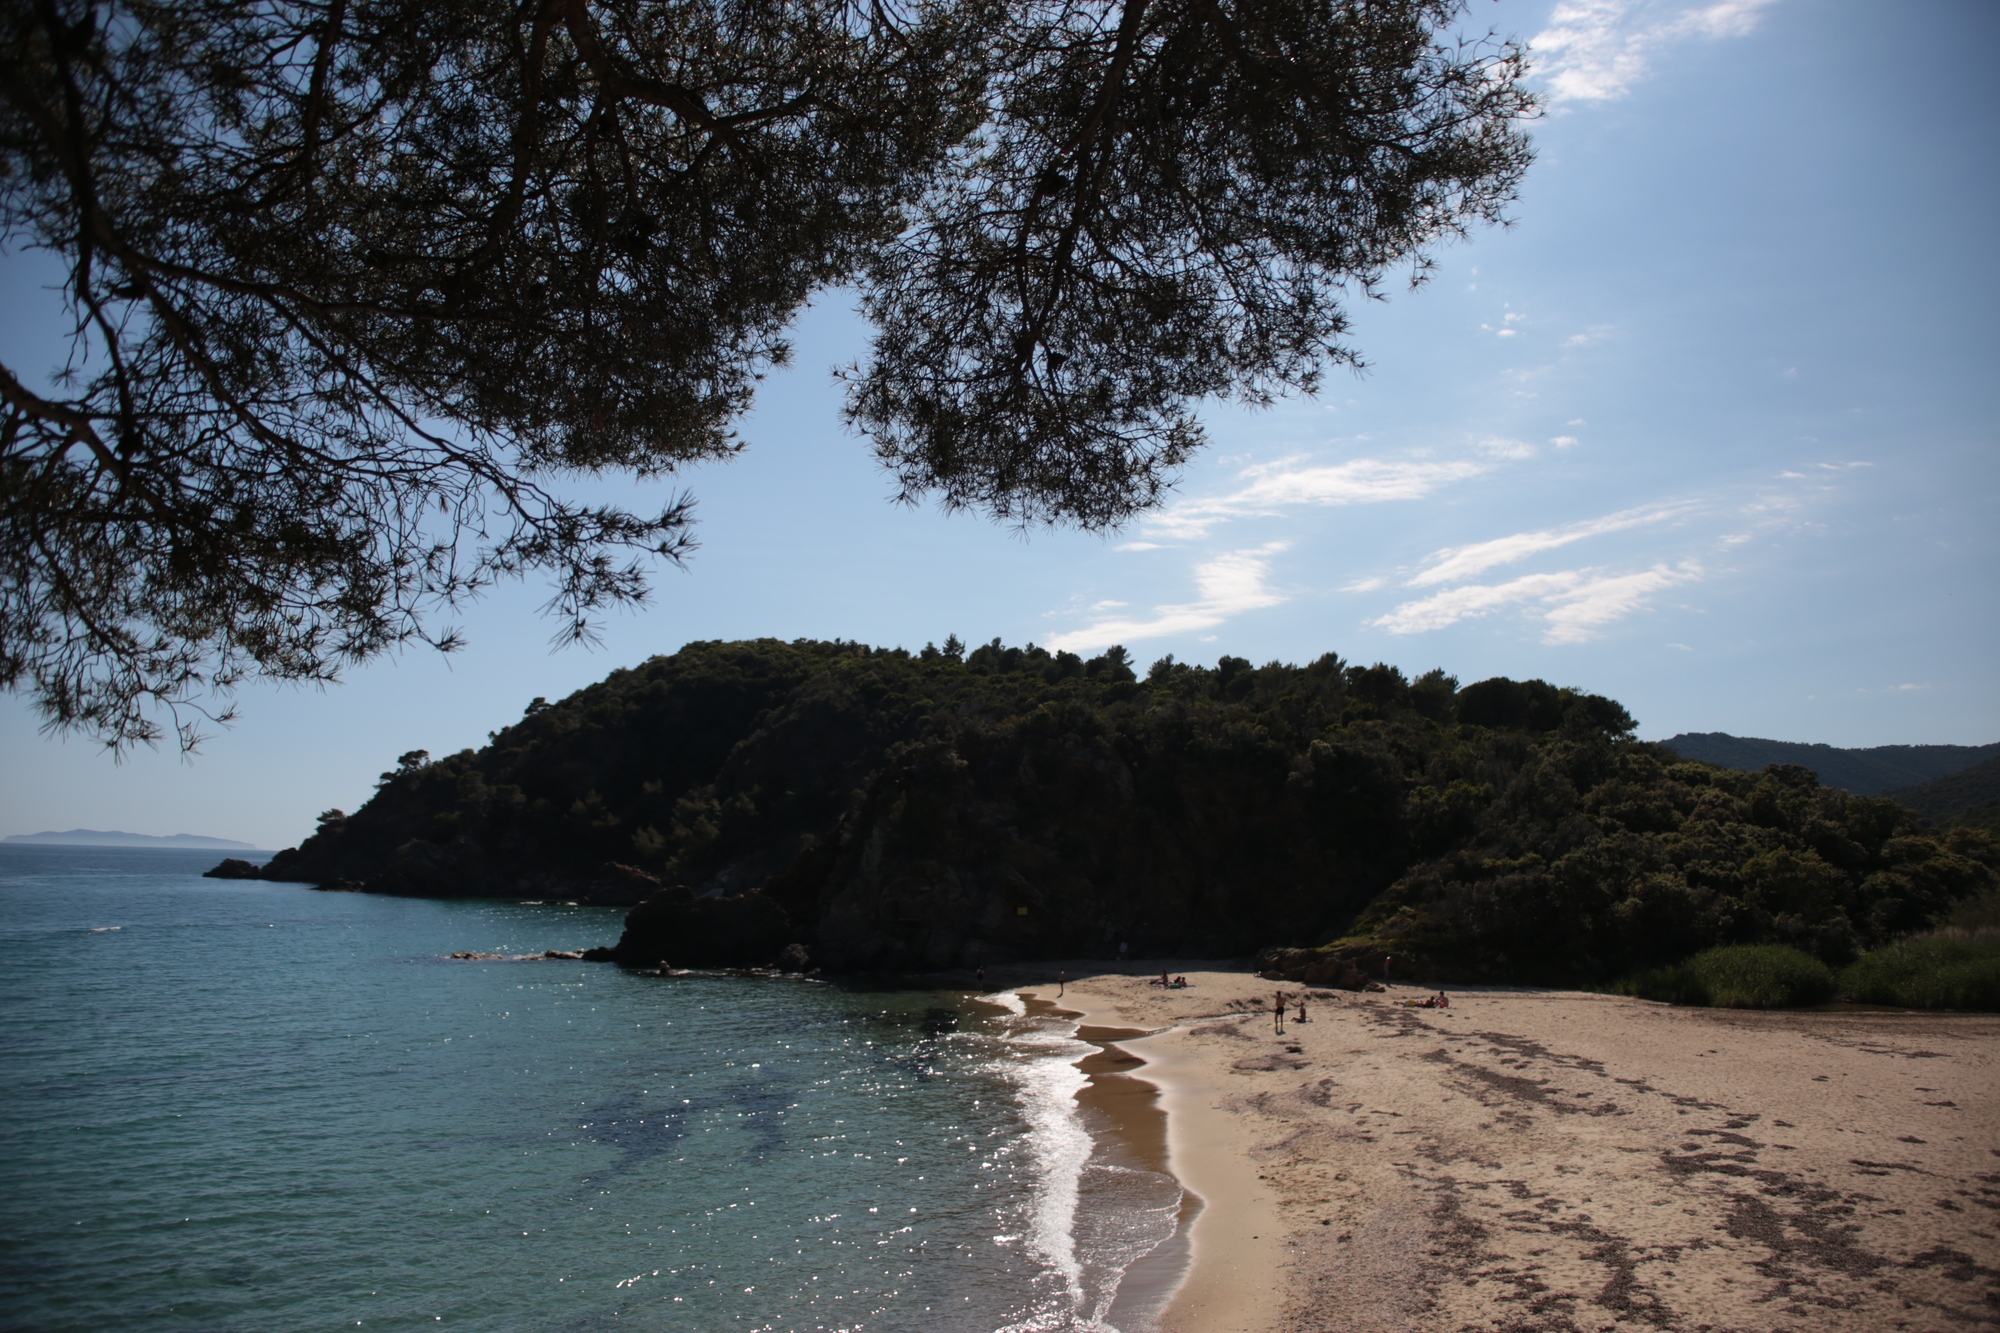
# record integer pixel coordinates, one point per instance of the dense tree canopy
(898, 810)
(355, 283)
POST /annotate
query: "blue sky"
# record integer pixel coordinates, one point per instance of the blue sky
(1710, 429)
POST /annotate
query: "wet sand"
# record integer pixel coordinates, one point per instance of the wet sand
(1533, 1161)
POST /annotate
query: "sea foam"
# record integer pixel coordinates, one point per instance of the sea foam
(1089, 1219)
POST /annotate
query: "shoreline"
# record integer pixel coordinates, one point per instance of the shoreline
(1213, 1273)
(1549, 1160)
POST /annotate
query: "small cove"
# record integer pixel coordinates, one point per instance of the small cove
(239, 1105)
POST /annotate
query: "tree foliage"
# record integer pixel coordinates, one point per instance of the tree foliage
(357, 283)
(901, 810)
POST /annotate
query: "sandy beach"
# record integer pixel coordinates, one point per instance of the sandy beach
(1544, 1160)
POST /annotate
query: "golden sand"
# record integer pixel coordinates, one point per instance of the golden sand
(1543, 1160)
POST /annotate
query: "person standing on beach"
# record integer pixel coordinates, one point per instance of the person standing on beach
(1278, 1013)
(1062, 980)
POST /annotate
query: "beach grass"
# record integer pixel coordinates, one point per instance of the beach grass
(1946, 969)
(1737, 976)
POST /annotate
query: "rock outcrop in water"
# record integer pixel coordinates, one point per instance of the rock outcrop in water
(877, 809)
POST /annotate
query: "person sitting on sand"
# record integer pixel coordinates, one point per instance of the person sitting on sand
(1444, 1001)
(1302, 1010)
(1163, 982)
(1180, 983)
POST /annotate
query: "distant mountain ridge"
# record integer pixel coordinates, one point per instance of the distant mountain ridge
(1873, 771)
(90, 837)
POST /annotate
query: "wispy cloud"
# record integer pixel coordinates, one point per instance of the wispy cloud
(1228, 584)
(1597, 602)
(1463, 562)
(1289, 483)
(1595, 50)
(1574, 603)
(1498, 446)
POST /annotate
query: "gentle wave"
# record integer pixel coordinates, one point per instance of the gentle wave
(1090, 1218)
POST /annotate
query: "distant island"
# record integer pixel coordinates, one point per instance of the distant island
(90, 837)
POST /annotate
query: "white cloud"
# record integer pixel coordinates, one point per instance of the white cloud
(1137, 546)
(1596, 333)
(1276, 486)
(1595, 50)
(1564, 441)
(1598, 602)
(1364, 585)
(1463, 562)
(1500, 447)
(1574, 603)
(1456, 604)
(1229, 585)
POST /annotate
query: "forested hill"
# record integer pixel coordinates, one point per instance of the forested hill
(1969, 796)
(1874, 771)
(883, 809)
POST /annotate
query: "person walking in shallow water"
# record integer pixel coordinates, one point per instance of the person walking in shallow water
(1278, 1013)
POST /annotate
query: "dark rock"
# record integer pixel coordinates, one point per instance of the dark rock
(794, 958)
(1345, 969)
(739, 930)
(601, 954)
(617, 885)
(234, 868)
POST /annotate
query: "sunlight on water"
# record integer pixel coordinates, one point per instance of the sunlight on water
(250, 1106)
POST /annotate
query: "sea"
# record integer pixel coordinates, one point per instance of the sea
(235, 1105)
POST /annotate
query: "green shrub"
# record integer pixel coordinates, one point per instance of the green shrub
(1737, 976)
(1762, 976)
(1947, 969)
(1979, 912)
(1674, 984)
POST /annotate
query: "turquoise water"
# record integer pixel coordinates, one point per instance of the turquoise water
(230, 1105)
